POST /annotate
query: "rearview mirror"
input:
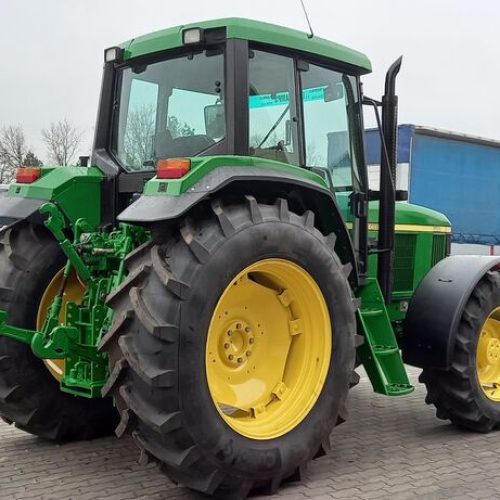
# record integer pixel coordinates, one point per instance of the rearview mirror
(215, 121)
(334, 92)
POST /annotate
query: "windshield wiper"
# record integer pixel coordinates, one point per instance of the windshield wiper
(273, 128)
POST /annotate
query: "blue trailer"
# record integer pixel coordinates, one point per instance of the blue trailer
(456, 174)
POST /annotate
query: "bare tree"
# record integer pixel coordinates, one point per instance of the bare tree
(139, 135)
(32, 160)
(12, 151)
(62, 140)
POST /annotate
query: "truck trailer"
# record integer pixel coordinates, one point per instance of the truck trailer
(453, 173)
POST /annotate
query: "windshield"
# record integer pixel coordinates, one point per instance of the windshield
(169, 108)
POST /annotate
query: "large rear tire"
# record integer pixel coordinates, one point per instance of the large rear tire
(468, 394)
(202, 306)
(29, 394)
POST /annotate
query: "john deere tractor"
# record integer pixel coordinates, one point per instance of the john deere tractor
(209, 280)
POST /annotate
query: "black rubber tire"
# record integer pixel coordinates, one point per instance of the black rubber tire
(29, 395)
(456, 393)
(156, 347)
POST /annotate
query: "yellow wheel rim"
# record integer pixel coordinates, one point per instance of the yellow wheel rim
(268, 349)
(73, 292)
(488, 356)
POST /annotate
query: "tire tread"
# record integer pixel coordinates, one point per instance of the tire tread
(455, 392)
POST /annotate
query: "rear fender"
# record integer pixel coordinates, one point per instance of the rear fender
(75, 190)
(264, 184)
(14, 209)
(437, 306)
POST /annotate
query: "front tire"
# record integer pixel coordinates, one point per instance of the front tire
(161, 347)
(468, 394)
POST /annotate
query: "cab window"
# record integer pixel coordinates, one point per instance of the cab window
(272, 107)
(327, 124)
(169, 108)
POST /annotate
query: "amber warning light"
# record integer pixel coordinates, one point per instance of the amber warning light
(27, 175)
(172, 168)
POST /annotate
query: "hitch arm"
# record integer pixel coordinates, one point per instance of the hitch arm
(13, 332)
(55, 223)
(62, 342)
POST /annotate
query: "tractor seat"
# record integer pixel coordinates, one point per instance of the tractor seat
(189, 145)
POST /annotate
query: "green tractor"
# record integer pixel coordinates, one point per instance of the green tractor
(210, 282)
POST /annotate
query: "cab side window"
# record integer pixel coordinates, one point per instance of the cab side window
(272, 107)
(326, 124)
(135, 148)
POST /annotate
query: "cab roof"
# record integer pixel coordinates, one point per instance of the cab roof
(249, 30)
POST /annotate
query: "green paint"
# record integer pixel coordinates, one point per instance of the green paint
(415, 253)
(406, 213)
(74, 194)
(76, 190)
(379, 323)
(55, 223)
(99, 259)
(203, 165)
(380, 353)
(417, 256)
(255, 31)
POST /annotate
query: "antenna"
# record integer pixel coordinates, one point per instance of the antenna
(311, 34)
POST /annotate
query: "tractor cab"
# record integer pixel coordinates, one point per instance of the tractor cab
(225, 88)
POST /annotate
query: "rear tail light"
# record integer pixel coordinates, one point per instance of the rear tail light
(172, 168)
(27, 175)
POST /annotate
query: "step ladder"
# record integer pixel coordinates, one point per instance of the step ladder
(380, 353)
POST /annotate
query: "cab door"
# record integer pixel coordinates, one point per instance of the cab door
(332, 131)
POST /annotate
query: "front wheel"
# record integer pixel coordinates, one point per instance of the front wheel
(232, 348)
(468, 393)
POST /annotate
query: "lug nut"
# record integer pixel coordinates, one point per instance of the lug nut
(238, 326)
(251, 340)
(226, 346)
(248, 329)
(248, 353)
(229, 332)
(231, 357)
(240, 360)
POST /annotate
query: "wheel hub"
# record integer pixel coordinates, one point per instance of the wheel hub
(237, 343)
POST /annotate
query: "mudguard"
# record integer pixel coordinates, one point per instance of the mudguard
(13, 208)
(75, 190)
(154, 208)
(258, 181)
(436, 308)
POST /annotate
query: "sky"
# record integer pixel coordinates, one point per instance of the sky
(51, 53)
